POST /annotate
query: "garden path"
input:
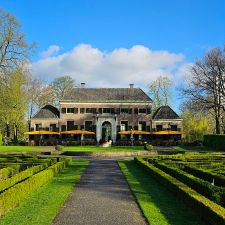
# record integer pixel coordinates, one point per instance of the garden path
(101, 197)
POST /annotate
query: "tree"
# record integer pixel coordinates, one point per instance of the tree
(206, 87)
(46, 96)
(160, 91)
(62, 86)
(14, 49)
(13, 102)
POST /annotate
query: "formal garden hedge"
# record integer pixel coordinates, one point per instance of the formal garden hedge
(24, 176)
(201, 194)
(216, 141)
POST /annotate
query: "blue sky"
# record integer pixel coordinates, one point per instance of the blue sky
(178, 31)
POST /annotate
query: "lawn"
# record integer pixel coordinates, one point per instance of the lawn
(19, 148)
(159, 206)
(42, 206)
(101, 149)
(194, 148)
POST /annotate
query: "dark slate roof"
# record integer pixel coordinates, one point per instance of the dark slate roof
(48, 111)
(107, 95)
(165, 112)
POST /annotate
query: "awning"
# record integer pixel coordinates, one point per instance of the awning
(77, 132)
(40, 132)
(168, 132)
(134, 132)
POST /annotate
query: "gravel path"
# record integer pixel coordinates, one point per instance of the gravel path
(101, 197)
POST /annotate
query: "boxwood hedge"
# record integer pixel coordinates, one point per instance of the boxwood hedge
(211, 212)
(17, 193)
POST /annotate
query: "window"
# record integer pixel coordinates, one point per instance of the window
(142, 111)
(106, 110)
(173, 127)
(124, 110)
(63, 110)
(123, 125)
(149, 110)
(88, 125)
(82, 110)
(142, 125)
(69, 110)
(70, 125)
(63, 128)
(159, 127)
(38, 126)
(90, 110)
(52, 127)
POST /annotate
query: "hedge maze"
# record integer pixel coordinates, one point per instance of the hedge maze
(198, 179)
(21, 175)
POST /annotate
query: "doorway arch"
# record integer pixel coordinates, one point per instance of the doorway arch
(106, 131)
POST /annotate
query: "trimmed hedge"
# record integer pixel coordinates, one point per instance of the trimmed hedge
(205, 188)
(8, 171)
(211, 212)
(20, 176)
(219, 179)
(216, 141)
(16, 194)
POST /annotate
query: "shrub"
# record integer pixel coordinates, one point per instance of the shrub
(208, 210)
(205, 188)
(59, 147)
(20, 176)
(148, 147)
(16, 194)
(216, 141)
(8, 171)
(206, 175)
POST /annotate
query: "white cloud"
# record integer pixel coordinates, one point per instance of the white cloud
(138, 64)
(52, 50)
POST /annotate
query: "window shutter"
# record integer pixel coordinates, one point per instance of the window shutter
(75, 110)
(136, 110)
(100, 110)
(81, 110)
(63, 110)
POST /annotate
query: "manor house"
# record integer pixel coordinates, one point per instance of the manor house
(106, 111)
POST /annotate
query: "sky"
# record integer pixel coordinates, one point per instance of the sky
(111, 43)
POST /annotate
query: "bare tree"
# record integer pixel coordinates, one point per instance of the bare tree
(13, 46)
(160, 91)
(206, 86)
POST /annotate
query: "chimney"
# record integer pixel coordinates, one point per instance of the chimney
(82, 85)
(131, 85)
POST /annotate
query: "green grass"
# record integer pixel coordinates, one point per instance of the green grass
(194, 148)
(19, 148)
(101, 149)
(42, 206)
(159, 206)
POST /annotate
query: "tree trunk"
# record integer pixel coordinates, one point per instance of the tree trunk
(7, 130)
(217, 125)
(15, 134)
